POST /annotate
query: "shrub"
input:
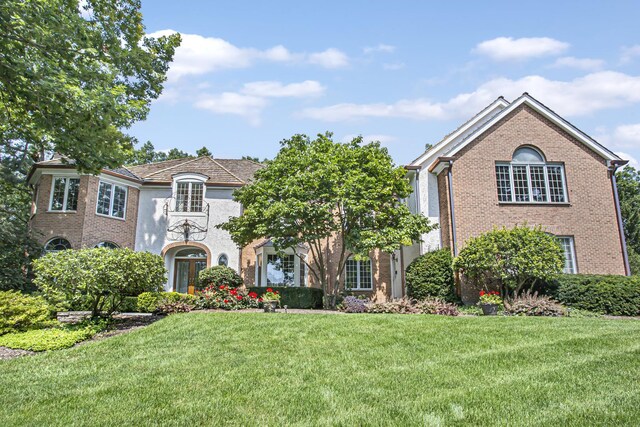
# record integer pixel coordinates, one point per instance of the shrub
(217, 276)
(129, 305)
(437, 306)
(295, 297)
(226, 298)
(517, 258)
(173, 307)
(98, 278)
(351, 304)
(614, 295)
(50, 339)
(400, 306)
(431, 275)
(150, 302)
(532, 304)
(20, 312)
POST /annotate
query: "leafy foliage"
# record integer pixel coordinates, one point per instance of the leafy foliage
(516, 258)
(219, 275)
(532, 304)
(20, 312)
(411, 306)
(352, 304)
(173, 307)
(628, 180)
(148, 302)
(294, 297)
(336, 199)
(147, 154)
(227, 298)
(437, 306)
(101, 278)
(431, 275)
(51, 339)
(615, 295)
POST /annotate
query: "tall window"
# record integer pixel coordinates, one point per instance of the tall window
(358, 275)
(57, 244)
(189, 196)
(112, 200)
(64, 194)
(529, 179)
(569, 254)
(280, 270)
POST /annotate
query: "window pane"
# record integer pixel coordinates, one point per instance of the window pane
(195, 204)
(182, 197)
(104, 198)
(57, 199)
(119, 201)
(538, 185)
(504, 183)
(556, 187)
(351, 279)
(520, 183)
(72, 194)
(365, 274)
(223, 260)
(527, 155)
(569, 255)
(280, 270)
(57, 244)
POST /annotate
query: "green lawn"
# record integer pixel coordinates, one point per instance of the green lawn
(260, 369)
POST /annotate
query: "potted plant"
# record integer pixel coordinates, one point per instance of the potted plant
(490, 301)
(270, 300)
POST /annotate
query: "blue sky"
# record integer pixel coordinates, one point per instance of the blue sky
(250, 74)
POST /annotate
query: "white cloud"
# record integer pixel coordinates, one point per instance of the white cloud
(246, 106)
(384, 48)
(633, 162)
(588, 64)
(627, 136)
(393, 66)
(581, 96)
(629, 53)
(330, 58)
(273, 89)
(509, 49)
(84, 10)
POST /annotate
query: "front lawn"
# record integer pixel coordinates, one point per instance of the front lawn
(258, 369)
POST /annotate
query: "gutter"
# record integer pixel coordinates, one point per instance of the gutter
(453, 214)
(613, 168)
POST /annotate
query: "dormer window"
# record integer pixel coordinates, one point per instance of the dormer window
(529, 178)
(189, 192)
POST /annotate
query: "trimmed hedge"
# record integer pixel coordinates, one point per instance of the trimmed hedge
(294, 297)
(431, 276)
(614, 295)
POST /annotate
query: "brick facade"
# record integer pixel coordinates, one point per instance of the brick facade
(589, 216)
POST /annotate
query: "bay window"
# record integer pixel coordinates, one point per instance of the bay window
(64, 194)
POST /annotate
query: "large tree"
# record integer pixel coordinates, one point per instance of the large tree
(335, 199)
(628, 180)
(73, 78)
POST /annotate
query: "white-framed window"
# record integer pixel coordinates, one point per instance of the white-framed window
(189, 196)
(530, 179)
(64, 194)
(108, 245)
(57, 244)
(112, 200)
(568, 245)
(223, 259)
(280, 270)
(358, 274)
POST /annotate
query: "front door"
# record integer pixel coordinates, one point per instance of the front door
(186, 278)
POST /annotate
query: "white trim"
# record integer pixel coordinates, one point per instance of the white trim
(358, 286)
(65, 197)
(112, 198)
(510, 165)
(527, 99)
(572, 247)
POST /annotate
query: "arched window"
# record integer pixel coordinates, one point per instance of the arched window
(191, 253)
(358, 275)
(530, 179)
(223, 259)
(108, 245)
(57, 244)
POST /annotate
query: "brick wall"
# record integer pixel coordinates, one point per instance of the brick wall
(590, 215)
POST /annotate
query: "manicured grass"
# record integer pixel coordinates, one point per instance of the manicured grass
(258, 369)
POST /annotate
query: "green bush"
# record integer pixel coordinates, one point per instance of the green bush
(50, 339)
(129, 305)
(219, 275)
(615, 295)
(294, 297)
(21, 312)
(431, 275)
(532, 304)
(149, 302)
(99, 279)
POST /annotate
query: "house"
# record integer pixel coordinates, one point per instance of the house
(516, 163)
(512, 163)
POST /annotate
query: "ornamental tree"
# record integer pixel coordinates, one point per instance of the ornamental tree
(331, 198)
(517, 258)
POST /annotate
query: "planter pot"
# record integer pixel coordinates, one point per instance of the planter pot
(489, 309)
(270, 306)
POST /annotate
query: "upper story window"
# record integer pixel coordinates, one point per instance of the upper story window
(189, 196)
(112, 200)
(358, 275)
(530, 179)
(57, 244)
(64, 194)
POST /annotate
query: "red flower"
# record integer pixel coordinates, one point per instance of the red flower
(239, 297)
(233, 292)
(482, 293)
(276, 292)
(226, 301)
(269, 290)
(221, 286)
(259, 299)
(253, 295)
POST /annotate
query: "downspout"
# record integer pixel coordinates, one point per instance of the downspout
(453, 215)
(613, 168)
